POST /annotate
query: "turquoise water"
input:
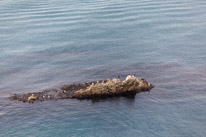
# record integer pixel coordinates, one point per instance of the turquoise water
(48, 43)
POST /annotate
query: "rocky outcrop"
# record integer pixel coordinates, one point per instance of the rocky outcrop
(93, 90)
(115, 87)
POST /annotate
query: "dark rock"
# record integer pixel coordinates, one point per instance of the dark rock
(92, 90)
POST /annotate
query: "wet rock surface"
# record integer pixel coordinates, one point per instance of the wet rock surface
(92, 90)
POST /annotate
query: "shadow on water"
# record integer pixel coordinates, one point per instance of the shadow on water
(130, 98)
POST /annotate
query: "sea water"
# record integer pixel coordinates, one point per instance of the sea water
(49, 43)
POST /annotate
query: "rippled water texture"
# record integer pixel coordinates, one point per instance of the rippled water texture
(48, 43)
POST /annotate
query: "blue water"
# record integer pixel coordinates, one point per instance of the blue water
(48, 43)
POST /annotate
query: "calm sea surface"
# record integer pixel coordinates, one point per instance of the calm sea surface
(48, 43)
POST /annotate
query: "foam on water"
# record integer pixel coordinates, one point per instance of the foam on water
(46, 44)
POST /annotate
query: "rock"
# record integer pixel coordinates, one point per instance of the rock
(114, 87)
(92, 90)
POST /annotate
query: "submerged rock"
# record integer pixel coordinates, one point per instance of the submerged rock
(93, 90)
